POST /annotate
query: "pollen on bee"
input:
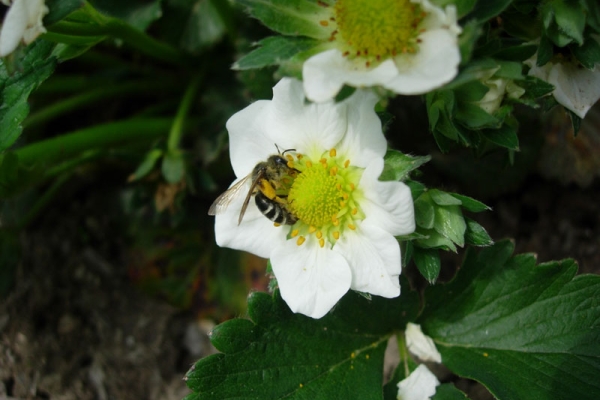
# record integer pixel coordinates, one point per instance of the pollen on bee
(294, 233)
(346, 163)
(336, 235)
(332, 153)
(300, 240)
(322, 242)
(352, 226)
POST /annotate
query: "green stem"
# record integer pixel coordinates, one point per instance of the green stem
(182, 111)
(70, 144)
(119, 29)
(91, 97)
(403, 350)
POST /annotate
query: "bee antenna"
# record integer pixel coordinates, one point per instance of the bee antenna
(285, 151)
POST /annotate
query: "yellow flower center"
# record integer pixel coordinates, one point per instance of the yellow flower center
(377, 29)
(324, 197)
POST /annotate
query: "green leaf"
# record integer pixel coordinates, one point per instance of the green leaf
(273, 51)
(524, 331)
(505, 136)
(284, 355)
(147, 164)
(9, 173)
(476, 235)
(434, 240)
(587, 54)
(424, 213)
(444, 199)
(485, 10)
(58, 9)
(470, 204)
(450, 223)
(137, 13)
(428, 262)
(448, 391)
(474, 116)
(205, 26)
(397, 166)
(36, 66)
(173, 166)
(535, 87)
(564, 21)
(291, 17)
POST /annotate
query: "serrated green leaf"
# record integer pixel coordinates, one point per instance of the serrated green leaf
(428, 262)
(476, 235)
(448, 391)
(280, 354)
(397, 166)
(475, 117)
(535, 87)
(37, 65)
(471, 31)
(443, 198)
(291, 17)
(450, 223)
(587, 54)
(564, 21)
(434, 240)
(516, 53)
(58, 9)
(503, 314)
(273, 50)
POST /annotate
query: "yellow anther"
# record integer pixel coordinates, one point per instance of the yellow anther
(352, 226)
(323, 160)
(342, 204)
(276, 224)
(336, 222)
(354, 211)
(299, 156)
(294, 233)
(290, 164)
(338, 186)
(332, 153)
(308, 164)
(352, 187)
(289, 157)
(312, 229)
(333, 171)
(319, 235)
(346, 163)
(300, 240)
(336, 235)
(345, 196)
(322, 242)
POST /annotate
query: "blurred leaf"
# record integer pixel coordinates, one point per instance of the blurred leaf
(35, 67)
(485, 10)
(397, 166)
(564, 21)
(505, 136)
(205, 26)
(137, 13)
(587, 54)
(447, 391)
(291, 17)
(173, 166)
(428, 262)
(273, 50)
(503, 314)
(462, 6)
(147, 164)
(9, 173)
(476, 235)
(58, 9)
(10, 256)
(280, 354)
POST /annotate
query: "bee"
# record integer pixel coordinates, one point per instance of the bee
(266, 178)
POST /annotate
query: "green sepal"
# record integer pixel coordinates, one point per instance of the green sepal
(291, 17)
(428, 263)
(588, 54)
(476, 235)
(398, 166)
(564, 21)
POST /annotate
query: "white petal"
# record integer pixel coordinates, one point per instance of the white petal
(13, 27)
(325, 73)
(249, 142)
(256, 234)
(576, 88)
(434, 64)
(420, 385)
(364, 140)
(388, 205)
(421, 345)
(309, 128)
(36, 10)
(374, 258)
(311, 279)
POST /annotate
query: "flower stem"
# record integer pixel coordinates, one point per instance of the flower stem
(186, 102)
(403, 350)
(65, 146)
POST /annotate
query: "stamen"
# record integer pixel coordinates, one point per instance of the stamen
(352, 226)
(294, 233)
(323, 160)
(352, 187)
(354, 211)
(333, 171)
(289, 157)
(299, 156)
(322, 243)
(332, 153)
(336, 235)
(309, 164)
(319, 235)
(338, 186)
(300, 240)
(312, 229)
(275, 224)
(346, 163)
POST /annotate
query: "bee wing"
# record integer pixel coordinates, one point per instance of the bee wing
(247, 200)
(222, 202)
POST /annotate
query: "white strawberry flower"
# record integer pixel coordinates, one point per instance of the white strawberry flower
(347, 219)
(22, 23)
(421, 384)
(406, 46)
(420, 344)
